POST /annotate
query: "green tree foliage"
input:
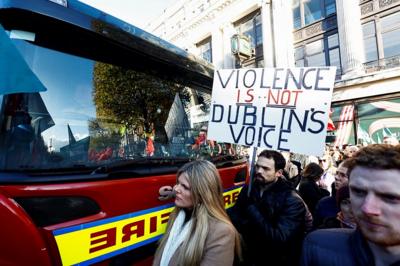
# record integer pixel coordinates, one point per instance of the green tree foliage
(132, 99)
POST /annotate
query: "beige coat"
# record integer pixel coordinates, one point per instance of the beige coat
(219, 247)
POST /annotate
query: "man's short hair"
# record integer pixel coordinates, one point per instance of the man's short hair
(376, 156)
(279, 160)
(313, 171)
(345, 163)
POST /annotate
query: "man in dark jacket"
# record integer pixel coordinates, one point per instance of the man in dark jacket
(374, 181)
(272, 219)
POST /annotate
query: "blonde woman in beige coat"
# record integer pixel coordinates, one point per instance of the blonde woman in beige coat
(199, 231)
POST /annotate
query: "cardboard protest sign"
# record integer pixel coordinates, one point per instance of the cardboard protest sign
(276, 108)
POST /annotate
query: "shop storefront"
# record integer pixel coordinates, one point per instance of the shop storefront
(365, 112)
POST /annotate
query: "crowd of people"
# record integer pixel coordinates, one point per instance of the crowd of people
(333, 210)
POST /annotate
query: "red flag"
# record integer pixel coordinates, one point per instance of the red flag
(331, 125)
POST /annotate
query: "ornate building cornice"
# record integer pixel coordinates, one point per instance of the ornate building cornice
(203, 17)
(315, 29)
(371, 7)
(385, 3)
(367, 8)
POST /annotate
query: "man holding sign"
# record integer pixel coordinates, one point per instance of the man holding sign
(284, 109)
(272, 219)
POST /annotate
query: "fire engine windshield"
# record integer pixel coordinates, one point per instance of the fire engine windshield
(73, 111)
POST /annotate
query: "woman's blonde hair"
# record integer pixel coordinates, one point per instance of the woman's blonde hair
(206, 190)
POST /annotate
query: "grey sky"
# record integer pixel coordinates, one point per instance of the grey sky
(136, 12)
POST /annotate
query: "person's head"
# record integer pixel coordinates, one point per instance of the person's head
(203, 130)
(325, 161)
(343, 199)
(343, 196)
(203, 133)
(390, 140)
(337, 156)
(149, 135)
(199, 193)
(313, 171)
(344, 204)
(351, 150)
(341, 176)
(374, 180)
(198, 182)
(269, 167)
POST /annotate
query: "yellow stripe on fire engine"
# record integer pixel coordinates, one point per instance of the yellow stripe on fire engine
(92, 242)
(230, 197)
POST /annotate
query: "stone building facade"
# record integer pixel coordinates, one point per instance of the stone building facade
(360, 37)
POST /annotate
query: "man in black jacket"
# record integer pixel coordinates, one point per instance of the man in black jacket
(272, 219)
(374, 181)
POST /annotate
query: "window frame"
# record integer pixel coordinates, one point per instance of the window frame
(326, 50)
(370, 36)
(202, 44)
(258, 59)
(379, 31)
(322, 6)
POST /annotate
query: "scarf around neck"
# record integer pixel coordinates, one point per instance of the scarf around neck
(178, 233)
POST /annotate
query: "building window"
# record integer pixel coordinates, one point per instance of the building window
(251, 26)
(333, 52)
(252, 29)
(205, 50)
(312, 11)
(315, 54)
(296, 14)
(299, 56)
(322, 52)
(330, 7)
(306, 12)
(390, 26)
(370, 48)
(382, 39)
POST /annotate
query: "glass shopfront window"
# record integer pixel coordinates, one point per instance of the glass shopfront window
(377, 120)
(366, 122)
(343, 119)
